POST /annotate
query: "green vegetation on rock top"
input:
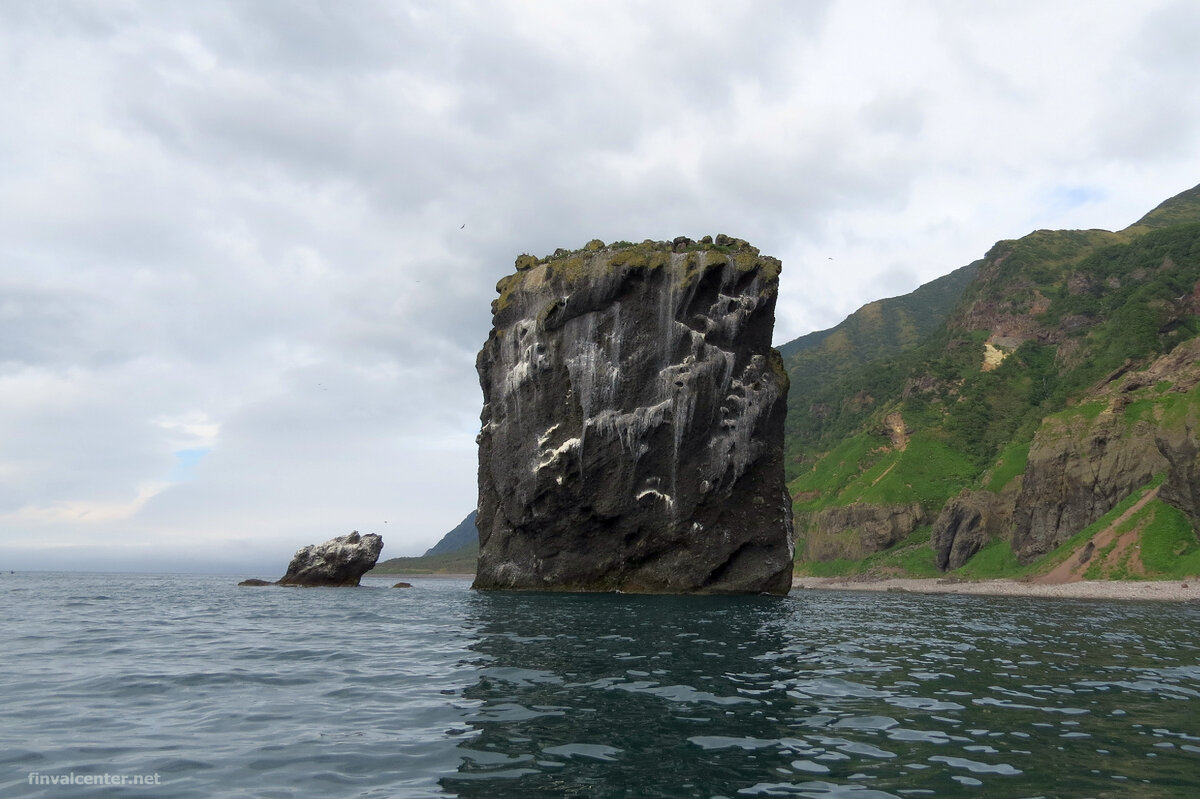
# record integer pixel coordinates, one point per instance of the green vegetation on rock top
(596, 260)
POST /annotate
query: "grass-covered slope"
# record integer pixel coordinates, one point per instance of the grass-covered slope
(455, 553)
(1181, 209)
(458, 561)
(1141, 537)
(819, 361)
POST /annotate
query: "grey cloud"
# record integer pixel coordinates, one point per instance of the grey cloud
(252, 214)
(1157, 118)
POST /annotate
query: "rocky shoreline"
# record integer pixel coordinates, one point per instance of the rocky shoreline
(1159, 590)
(1155, 590)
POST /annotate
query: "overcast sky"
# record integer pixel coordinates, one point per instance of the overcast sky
(247, 249)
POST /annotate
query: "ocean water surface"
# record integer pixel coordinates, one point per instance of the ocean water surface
(204, 689)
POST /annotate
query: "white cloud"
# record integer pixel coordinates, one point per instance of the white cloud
(79, 513)
(239, 308)
(189, 430)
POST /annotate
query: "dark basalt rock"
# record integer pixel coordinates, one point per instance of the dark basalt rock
(254, 581)
(340, 561)
(633, 417)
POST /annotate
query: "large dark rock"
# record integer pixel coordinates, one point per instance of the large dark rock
(340, 561)
(633, 424)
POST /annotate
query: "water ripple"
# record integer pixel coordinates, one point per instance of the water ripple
(438, 691)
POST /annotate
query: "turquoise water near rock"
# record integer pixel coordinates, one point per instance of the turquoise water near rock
(218, 691)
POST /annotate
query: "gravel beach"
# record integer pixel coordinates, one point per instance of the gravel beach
(1168, 591)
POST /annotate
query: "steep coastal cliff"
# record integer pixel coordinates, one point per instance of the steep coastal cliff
(632, 428)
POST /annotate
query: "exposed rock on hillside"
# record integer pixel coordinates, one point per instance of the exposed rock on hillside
(1079, 468)
(1084, 461)
(633, 423)
(966, 523)
(855, 531)
(1178, 436)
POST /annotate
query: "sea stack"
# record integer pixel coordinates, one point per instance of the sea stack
(632, 427)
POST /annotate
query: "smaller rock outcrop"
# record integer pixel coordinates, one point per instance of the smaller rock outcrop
(340, 561)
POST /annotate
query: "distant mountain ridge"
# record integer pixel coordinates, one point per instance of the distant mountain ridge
(884, 326)
(455, 553)
(464, 535)
(817, 362)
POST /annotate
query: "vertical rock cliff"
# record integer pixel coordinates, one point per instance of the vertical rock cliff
(633, 423)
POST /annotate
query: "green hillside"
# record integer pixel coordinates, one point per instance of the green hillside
(455, 561)
(823, 364)
(1181, 209)
(1055, 322)
(882, 327)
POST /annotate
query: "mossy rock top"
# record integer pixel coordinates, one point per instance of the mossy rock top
(597, 259)
(719, 243)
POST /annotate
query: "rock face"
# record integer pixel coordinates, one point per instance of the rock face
(340, 561)
(633, 417)
(855, 531)
(1181, 448)
(1083, 463)
(1079, 469)
(1178, 434)
(967, 522)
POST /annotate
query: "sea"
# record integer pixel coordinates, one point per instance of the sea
(123, 685)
